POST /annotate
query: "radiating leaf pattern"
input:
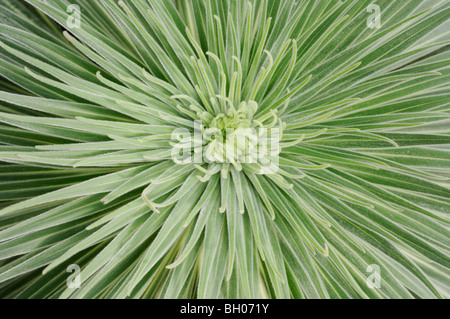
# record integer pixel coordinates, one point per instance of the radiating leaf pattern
(87, 116)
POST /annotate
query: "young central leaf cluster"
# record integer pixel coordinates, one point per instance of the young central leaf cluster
(232, 137)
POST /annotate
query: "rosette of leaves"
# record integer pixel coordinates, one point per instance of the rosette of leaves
(92, 91)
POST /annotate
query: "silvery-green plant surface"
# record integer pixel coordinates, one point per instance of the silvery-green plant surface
(100, 98)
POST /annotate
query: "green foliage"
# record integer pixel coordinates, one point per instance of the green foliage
(87, 176)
